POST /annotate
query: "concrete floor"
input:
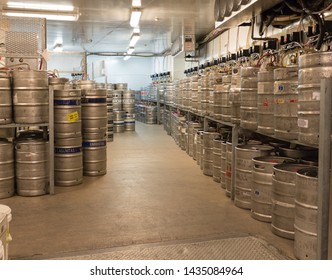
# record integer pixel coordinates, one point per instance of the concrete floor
(153, 192)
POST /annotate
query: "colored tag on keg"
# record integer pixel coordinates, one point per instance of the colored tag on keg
(62, 102)
(265, 103)
(293, 87)
(280, 101)
(67, 150)
(88, 100)
(316, 95)
(72, 117)
(87, 144)
(302, 123)
(281, 88)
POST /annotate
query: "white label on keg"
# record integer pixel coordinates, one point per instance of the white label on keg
(316, 95)
(302, 123)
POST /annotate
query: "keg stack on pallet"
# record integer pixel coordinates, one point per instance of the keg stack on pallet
(24, 167)
(123, 108)
(68, 155)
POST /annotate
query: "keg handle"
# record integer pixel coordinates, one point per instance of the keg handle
(259, 166)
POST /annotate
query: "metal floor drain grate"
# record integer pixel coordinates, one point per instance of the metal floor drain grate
(238, 248)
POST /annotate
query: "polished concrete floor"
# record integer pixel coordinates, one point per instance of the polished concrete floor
(153, 193)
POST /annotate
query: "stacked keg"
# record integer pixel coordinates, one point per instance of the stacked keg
(261, 192)
(217, 99)
(285, 103)
(30, 96)
(110, 127)
(214, 78)
(283, 199)
(30, 100)
(94, 128)
(191, 136)
(194, 93)
(118, 113)
(243, 171)
(68, 156)
(208, 138)
(312, 68)
(248, 108)
(217, 149)
(223, 164)
(265, 102)
(306, 213)
(234, 96)
(151, 114)
(7, 174)
(226, 112)
(5, 99)
(128, 106)
(31, 165)
(203, 94)
(169, 96)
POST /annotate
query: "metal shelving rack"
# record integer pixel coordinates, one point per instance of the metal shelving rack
(48, 129)
(324, 219)
(22, 42)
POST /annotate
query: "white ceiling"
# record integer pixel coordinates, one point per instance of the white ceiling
(103, 25)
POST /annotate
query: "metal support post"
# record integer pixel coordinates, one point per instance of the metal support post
(324, 180)
(235, 140)
(51, 138)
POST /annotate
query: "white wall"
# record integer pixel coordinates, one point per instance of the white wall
(136, 71)
(65, 63)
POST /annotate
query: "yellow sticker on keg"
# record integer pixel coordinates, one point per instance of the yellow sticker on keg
(72, 117)
(280, 101)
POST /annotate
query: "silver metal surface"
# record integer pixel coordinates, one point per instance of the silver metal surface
(324, 221)
(232, 248)
(68, 161)
(286, 99)
(6, 102)
(261, 192)
(243, 171)
(283, 199)
(30, 96)
(31, 167)
(306, 209)
(7, 176)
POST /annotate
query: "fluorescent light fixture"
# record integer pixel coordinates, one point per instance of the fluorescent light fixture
(136, 3)
(136, 30)
(48, 11)
(44, 7)
(127, 57)
(135, 17)
(43, 15)
(133, 40)
(130, 50)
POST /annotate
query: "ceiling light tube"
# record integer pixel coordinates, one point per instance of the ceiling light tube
(130, 50)
(44, 7)
(135, 17)
(136, 3)
(126, 57)
(48, 14)
(133, 40)
(60, 17)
